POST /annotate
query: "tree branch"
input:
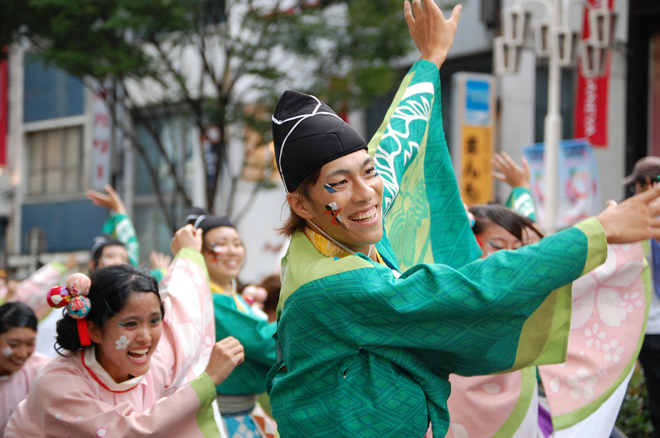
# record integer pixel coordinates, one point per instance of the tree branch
(153, 175)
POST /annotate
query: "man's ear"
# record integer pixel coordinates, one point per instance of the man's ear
(299, 206)
(95, 333)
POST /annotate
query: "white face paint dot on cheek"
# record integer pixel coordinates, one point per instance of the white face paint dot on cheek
(7, 351)
(122, 343)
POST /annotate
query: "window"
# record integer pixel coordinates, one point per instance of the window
(55, 161)
(176, 136)
(50, 93)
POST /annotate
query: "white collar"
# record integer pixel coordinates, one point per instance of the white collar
(9, 376)
(101, 375)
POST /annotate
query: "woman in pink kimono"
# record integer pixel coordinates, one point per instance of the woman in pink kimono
(18, 362)
(583, 394)
(136, 362)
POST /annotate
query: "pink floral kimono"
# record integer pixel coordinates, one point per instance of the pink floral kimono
(15, 387)
(609, 314)
(74, 396)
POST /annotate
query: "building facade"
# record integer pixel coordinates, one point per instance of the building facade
(55, 141)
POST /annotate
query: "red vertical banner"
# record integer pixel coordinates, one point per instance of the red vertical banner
(4, 110)
(591, 104)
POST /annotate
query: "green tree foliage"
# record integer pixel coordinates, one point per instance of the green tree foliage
(634, 419)
(214, 57)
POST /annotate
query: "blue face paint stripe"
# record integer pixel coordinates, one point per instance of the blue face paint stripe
(328, 188)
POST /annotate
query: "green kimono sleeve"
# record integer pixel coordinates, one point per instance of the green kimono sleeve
(522, 203)
(479, 319)
(158, 273)
(361, 347)
(256, 336)
(425, 221)
(120, 227)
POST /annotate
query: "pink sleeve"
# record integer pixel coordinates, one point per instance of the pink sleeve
(189, 332)
(35, 363)
(32, 291)
(67, 407)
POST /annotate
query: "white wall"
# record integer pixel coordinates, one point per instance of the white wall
(472, 35)
(257, 229)
(517, 107)
(611, 159)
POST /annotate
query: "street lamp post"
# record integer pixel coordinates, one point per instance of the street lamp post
(554, 39)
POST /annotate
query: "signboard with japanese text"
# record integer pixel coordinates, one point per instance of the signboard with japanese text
(474, 135)
(476, 180)
(578, 191)
(101, 143)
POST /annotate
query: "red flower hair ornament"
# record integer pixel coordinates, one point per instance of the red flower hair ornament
(73, 296)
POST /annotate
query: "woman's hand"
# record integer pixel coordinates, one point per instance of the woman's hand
(159, 260)
(186, 237)
(634, 219)
(225, 356)
(111, 200)
(432, 34)
(510, 172)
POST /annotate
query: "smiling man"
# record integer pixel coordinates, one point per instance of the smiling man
(383, 293)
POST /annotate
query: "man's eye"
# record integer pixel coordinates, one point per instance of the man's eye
(338, 183)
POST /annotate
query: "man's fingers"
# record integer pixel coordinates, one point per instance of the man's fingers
(656, 233)
(649, 195)
(655, 207)
(407, 12)
(417, 8)
(431, 5)
(456, 14)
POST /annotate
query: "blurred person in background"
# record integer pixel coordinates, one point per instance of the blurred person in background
(644, 177)
(118, 244)
(19, 364)
(272, 284)
(224, 253)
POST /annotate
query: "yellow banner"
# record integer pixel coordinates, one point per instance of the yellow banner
(476, 182)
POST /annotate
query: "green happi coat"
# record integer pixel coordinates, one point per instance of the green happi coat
(366, 354)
